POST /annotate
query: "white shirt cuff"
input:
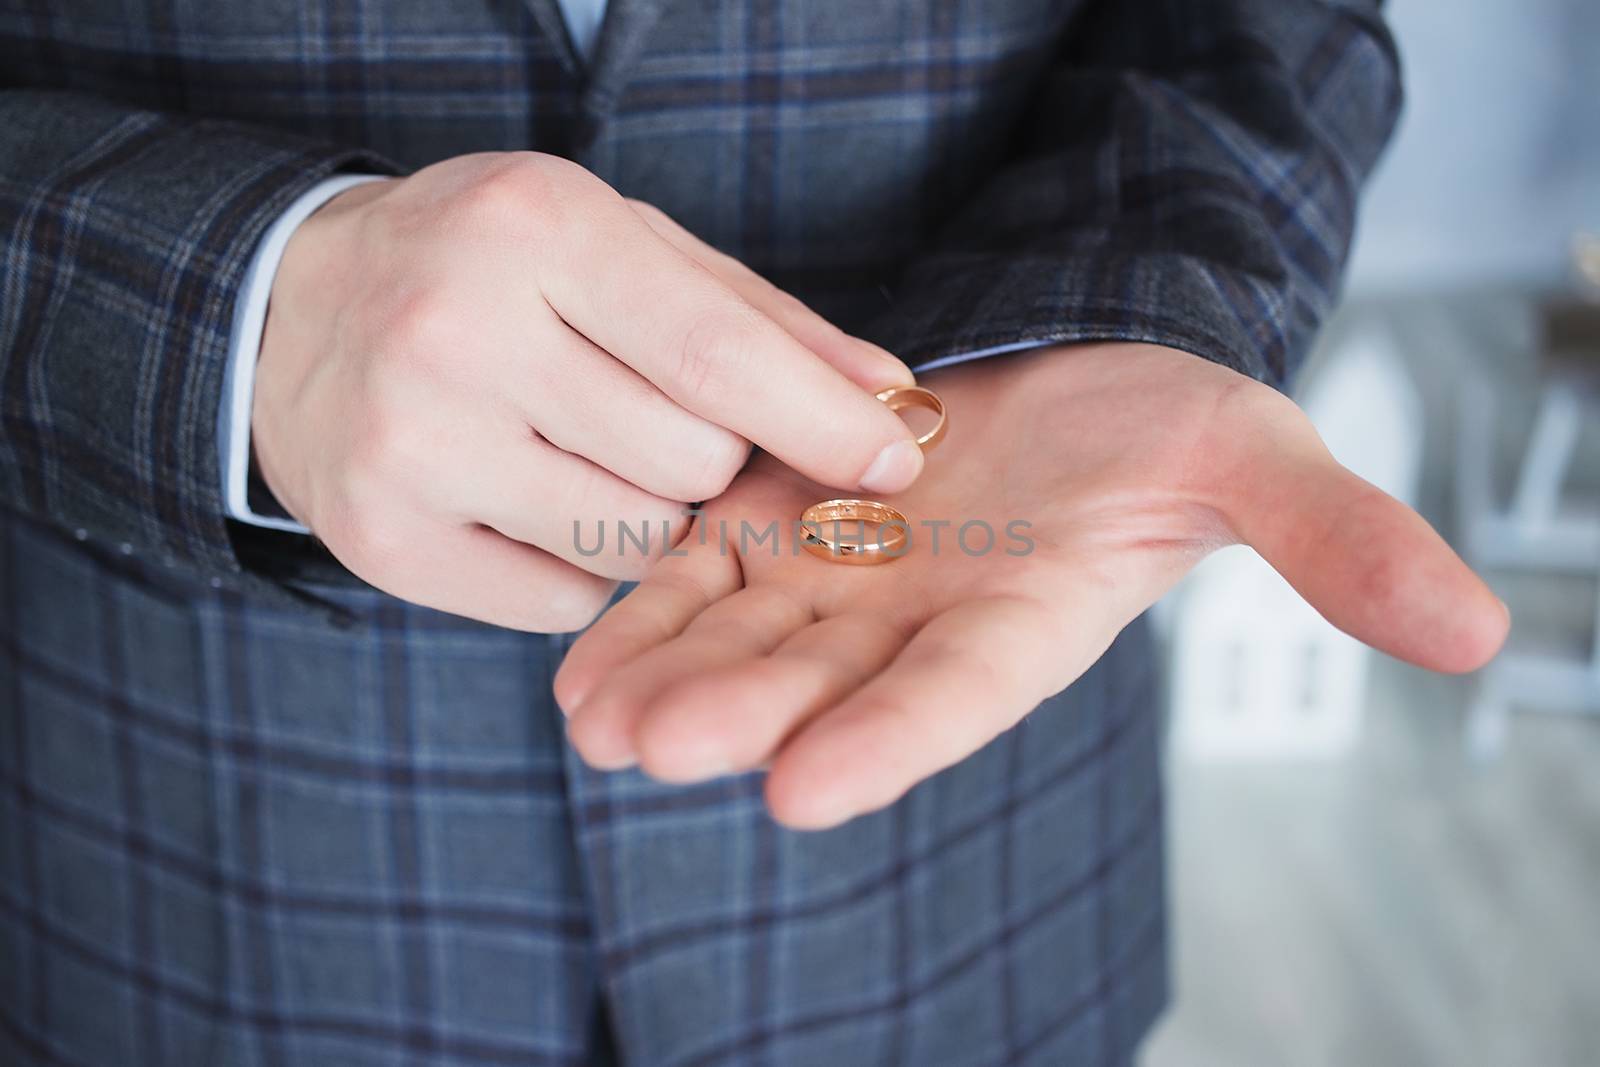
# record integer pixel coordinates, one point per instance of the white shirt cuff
(239, 377)
(980, 353)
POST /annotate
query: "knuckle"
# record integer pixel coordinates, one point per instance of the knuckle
(1383, 582)
(653, 215)
(670, 229)
(389, 457)
(790, 305)
(574, 492)
(366, 540)
(715, 466)
(713, 348)
(381, 447)
(504, 191)
(557, 171)
(526, 189)
(419, 325)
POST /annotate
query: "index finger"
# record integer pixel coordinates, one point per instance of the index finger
(669, 318)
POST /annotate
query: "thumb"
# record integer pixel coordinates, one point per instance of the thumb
(863, 362)
(1369, 564)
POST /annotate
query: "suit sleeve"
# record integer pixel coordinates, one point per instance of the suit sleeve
(124, 238)
(1187, 175)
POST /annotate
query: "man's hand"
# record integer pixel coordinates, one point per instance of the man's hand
(460, 365)
(1130, 462)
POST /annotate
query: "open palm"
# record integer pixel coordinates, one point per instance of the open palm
(1088, 479)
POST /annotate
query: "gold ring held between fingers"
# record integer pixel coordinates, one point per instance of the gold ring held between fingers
(823, 534)
(915, 396)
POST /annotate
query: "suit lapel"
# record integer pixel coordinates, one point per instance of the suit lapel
(547, 15)
(623, 36)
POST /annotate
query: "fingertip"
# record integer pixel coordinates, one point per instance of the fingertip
(894, 468)
(820, 780)
(680, 758)
(600, 742)
(802, 803)
(582, 670)
(1477, 636)
(1419, 601)
(570, 686)
(1376, 569)
(672, 745)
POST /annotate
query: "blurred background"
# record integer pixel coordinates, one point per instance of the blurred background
(1372, 865)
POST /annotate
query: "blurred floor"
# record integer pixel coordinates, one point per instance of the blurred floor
(1403, 906)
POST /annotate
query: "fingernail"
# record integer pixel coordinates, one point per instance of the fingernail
(896, 467)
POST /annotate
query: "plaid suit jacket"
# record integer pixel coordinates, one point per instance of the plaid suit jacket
(237, 829)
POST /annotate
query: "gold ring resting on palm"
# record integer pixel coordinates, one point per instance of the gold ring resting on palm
(915, 396)
(823, 533)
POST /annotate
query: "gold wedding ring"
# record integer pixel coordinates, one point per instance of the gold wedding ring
(914, 396)
(822, 532)
(822, 526)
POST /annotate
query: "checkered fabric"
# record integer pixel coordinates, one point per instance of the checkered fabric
(252, 812)
(234, 834)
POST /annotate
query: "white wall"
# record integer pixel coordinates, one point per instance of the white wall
(1497, 159)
